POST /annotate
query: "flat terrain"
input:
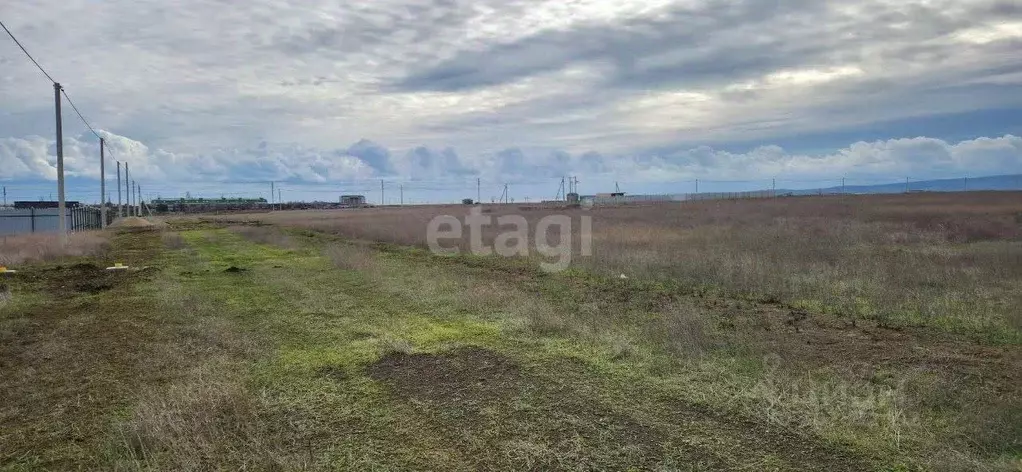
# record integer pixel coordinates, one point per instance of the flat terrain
(291, 341)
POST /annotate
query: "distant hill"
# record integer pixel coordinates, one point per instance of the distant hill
(994, 182)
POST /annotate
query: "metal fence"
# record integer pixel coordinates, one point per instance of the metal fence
(47, 220)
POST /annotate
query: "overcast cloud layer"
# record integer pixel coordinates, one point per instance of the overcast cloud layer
(321, 91)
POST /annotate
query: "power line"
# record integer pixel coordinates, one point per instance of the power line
(48, 76)
(26, 52)
(79, 113)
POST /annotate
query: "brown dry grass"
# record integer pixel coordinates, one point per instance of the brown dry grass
(46, 247)
(951, 260)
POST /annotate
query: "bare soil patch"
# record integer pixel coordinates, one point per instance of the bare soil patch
(466, 376)
(490, 406)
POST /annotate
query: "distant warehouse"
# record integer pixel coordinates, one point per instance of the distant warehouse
(353, 200)
(202, 205)
(44, 204)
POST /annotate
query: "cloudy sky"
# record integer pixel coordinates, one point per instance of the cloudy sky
(323, 93)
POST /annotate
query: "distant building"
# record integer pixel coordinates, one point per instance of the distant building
(353, 200)
(44, 204)
(201, 205)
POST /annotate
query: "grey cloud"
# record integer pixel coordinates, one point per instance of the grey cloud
(425, 162)
(29, 159)
(197, 77)
(710, 43)
(712, 32)
(376, 156)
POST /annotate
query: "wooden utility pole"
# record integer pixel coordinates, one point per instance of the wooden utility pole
(479, 193)
(102, 184)
(61, 206)
(402, 190)
(272, 191)
(382, 200)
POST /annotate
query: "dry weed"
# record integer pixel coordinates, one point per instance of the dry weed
(352, 257)
(47, 247)
(265, 235)
(204, 422)
(5, 295)
(173, 240)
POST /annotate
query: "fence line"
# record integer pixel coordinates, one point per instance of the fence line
(47, 220)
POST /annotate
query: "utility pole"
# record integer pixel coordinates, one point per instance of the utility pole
(102, 184)
(120, 209)
(966, 184)
(697, 185)
(402, 189)
(127, 191)
(5, 195)
(141, 203)
(381, 193)
(272, 191)
(61, 206)
(906, 184)
(842, 185)
(773, 187)
(479, 193)
(279, 200)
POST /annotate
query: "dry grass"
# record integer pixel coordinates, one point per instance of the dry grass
(5, 294)
(204, 422)
(936, 259)
(172, 240)
(46, 247)
(352, 257)
(264, 235)
(757, 335)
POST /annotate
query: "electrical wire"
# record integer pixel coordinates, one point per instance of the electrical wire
(48, 76)
(79, 113)
(26, 52)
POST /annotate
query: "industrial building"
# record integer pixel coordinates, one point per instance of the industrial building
(353, 200)
(201, 205)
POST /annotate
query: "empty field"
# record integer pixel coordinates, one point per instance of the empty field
(818, 333)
